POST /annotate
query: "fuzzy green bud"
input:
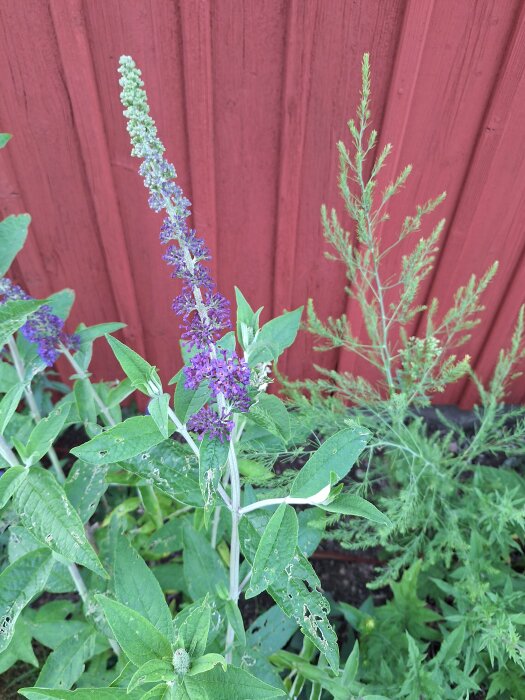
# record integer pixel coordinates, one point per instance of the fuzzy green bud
(181, 661)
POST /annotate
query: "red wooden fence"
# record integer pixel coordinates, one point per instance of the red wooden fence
(250, 97)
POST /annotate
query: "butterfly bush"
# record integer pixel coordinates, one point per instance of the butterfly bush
(44, 328)
(205, 313)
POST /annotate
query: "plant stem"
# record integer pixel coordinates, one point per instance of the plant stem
(84, 375)
(234, 543)
(33, 408)
(9, 455)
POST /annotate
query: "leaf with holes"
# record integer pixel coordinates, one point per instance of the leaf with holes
(170, 468)
(213, 455)
(46, 512)
(124, 441)
(19, 583)
(276, 549)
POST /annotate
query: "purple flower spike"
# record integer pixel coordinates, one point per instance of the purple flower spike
(205, 313)
(43, 327)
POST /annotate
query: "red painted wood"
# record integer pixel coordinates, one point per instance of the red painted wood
(250, 99)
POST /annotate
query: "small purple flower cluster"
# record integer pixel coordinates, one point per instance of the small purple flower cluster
(205, 313)
(43, 327)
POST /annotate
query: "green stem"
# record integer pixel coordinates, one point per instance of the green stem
(33, 408)
(235, 550)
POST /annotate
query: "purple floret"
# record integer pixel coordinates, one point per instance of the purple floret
(43, 328)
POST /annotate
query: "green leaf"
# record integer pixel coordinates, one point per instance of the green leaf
(167, 539)
(8, 405)
(158, 410)
(351, 666)
(170, 469)
(271, 413)
(80, 694)
(193, 632)
(44, 434)
(232, 684)
(348, 504)
(275, 336)
(13, 234)
(270, 631)
(297, 593)
(247, 321)
(87, 335)
(85, 401)
(19, 648)
(4, 138)
(138, 589)
(13, 314)
(61, 302)
(199, 557)
(19, 583)
(9, 483)
(206, 663)
(276, 549)
(85, 485)
(234, 617)
(136, 368)
(139, 639)
(213, 455)
(338, 454)
(188, 401)
(122, 442)
(45, 511)
(152, 672)
(65, 665)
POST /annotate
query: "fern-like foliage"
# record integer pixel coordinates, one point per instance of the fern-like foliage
(455, 492)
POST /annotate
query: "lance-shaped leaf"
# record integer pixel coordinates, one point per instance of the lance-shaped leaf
(85, 485)
(9, 483)
(200, 557)
(158, 410)
(152, 672)
(19, 583)
(4, 138)
(65, 665)
(232, 684)
(276, 549)
(212, 456)
(44, 434)
(136, 368)
(337, 455)
(140, 641)
(13, 314)
(8, 405)
(46, 512)
(86, 335)
(124, 441)
(275, 336)
(138, 589)
(171, 470)
(349, 504)
(81, 694)
(13, 233)
(193, 632)
(188, 401)
(296, 592)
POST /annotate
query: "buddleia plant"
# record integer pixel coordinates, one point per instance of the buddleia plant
(236, 538)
